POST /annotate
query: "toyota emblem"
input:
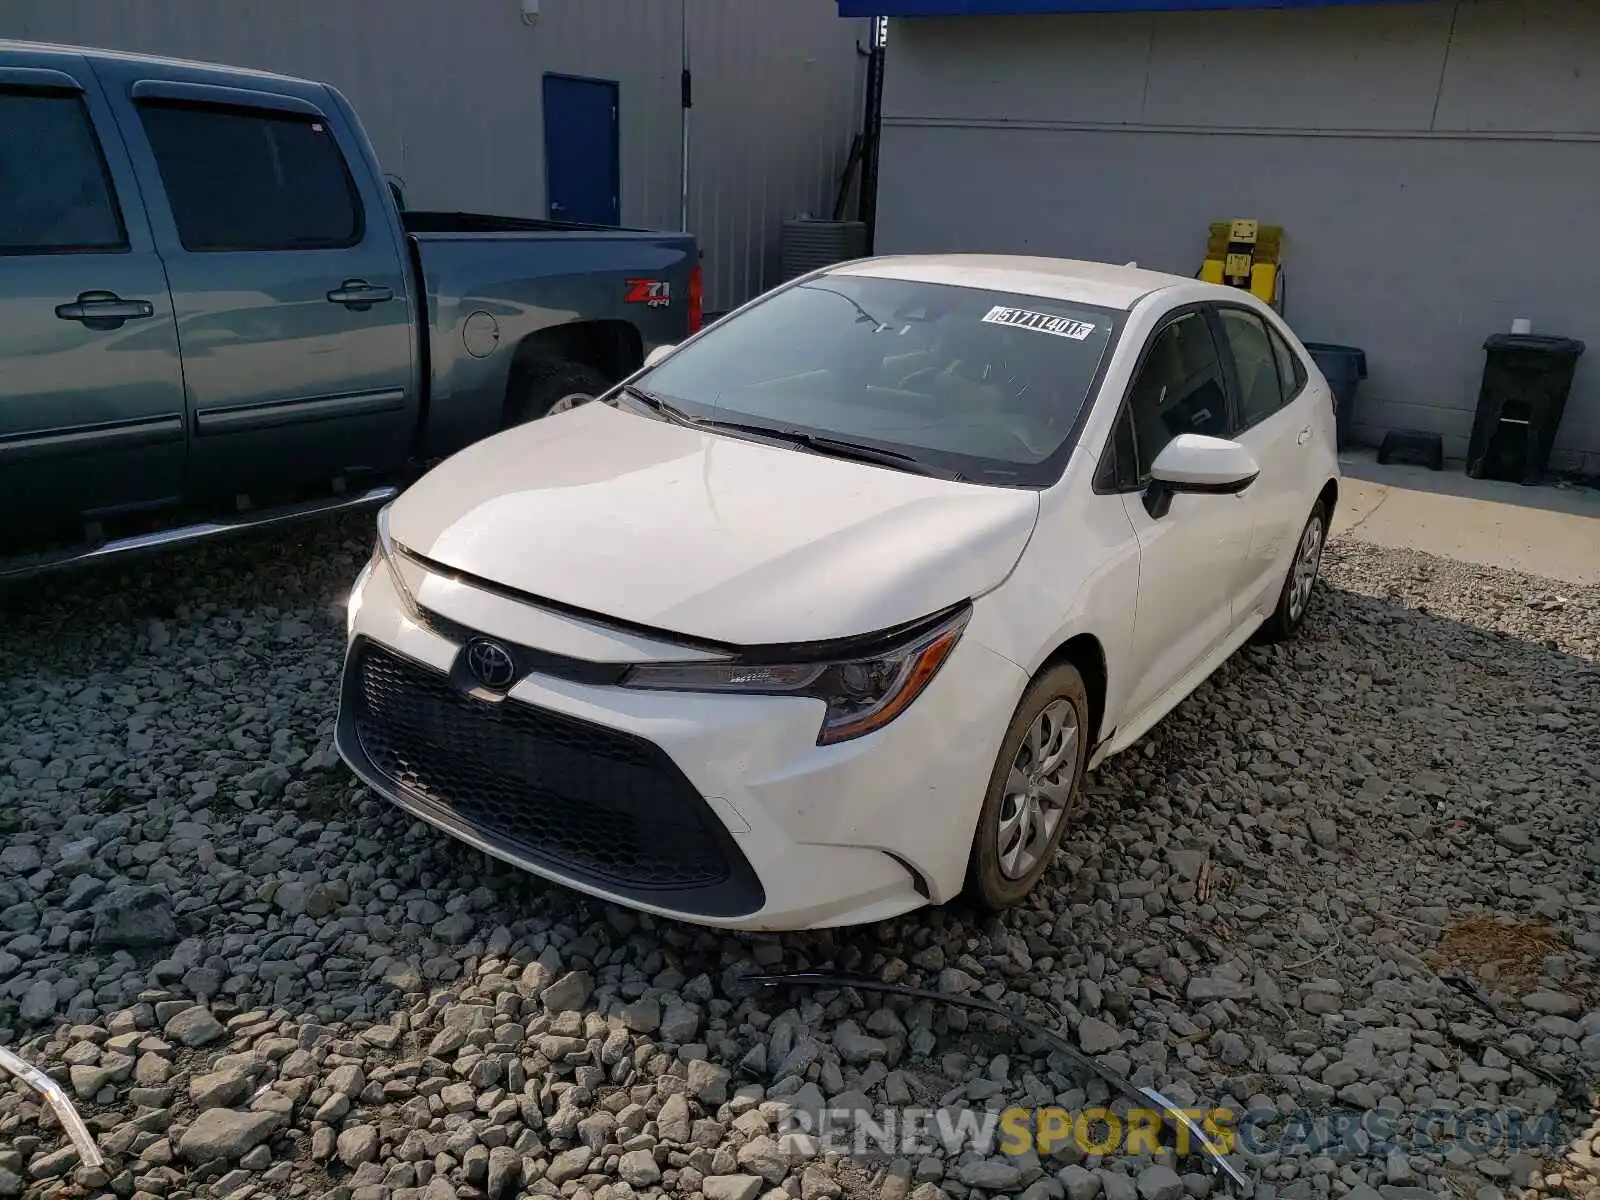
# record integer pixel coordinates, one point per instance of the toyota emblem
(490, 663)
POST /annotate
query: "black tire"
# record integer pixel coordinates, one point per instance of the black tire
(990, 883)
(1293, 605)
(540, 386)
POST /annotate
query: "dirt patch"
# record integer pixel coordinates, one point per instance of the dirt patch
(1506, 954)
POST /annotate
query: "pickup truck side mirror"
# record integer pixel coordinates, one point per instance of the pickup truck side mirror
(1199, 465)
(657, 355)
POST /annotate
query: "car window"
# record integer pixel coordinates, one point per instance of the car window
(1291, 371)
(1178, 390)
(55, 192)
(1255, 365)
(985, 383)
(242, 179)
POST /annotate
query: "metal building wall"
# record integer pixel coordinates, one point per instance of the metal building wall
(1433, 165)
(451, 93)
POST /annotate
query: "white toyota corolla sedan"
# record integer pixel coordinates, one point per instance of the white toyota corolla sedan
(824, 613)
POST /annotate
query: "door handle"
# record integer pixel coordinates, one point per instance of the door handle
(104, 310)
(359, 294)
(1305, 436)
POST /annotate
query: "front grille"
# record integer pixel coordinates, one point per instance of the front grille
(587, 802)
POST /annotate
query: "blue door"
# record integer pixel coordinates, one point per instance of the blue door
(581, 150)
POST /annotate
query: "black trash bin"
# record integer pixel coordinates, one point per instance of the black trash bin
(1526, 379)
(1345, 367)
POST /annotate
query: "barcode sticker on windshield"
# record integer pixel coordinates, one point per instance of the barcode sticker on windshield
(1021, 318)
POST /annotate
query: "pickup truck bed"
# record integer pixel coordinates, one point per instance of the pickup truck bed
(214, 314)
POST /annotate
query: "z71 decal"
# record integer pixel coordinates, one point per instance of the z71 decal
(1021, 318)
(652, 293)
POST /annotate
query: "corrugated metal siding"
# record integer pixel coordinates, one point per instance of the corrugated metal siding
(451, 93)
(1396, 145)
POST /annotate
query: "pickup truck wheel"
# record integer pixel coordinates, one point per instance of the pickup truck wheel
(543, 388)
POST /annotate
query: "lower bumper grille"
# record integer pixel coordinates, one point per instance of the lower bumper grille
(593, 804)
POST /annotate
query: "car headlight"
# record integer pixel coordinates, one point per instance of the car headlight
(384, 551)
(352, 604)
(863, 692)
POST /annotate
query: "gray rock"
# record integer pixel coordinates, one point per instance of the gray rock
(955, 981)
(764, 1157)
(731, 1187)
(1337, 1075)
(569, 993)
(709, 1082)
(1397, 1168)
(347, 1080)
(1080, 1184)
(38, 1003)
(856, 1047)
(18, 858)
(87, 1081)
(1514, 837)
(1203, 989)
(505, 1170)
(673, 1122)
(1158, 1182)
(1555, 1003)
(226, 1134)
(1324, 832)
(638, 1169)
(679, 1024)
(1098, 1037)
(642, 1016)
(569, 1164)
(994, 1174)
(134, 917)
(358, 1144)
(1114, 1185)
(218, 1089)
(194, 1027)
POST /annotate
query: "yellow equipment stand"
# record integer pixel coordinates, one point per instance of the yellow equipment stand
(1246, 255)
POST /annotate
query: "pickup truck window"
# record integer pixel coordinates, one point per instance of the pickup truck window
(55, 191)
(248, 179)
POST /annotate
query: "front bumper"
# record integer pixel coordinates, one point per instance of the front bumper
(716, 809)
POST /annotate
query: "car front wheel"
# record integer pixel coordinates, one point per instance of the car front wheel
(1033, 790)
(1295, 598)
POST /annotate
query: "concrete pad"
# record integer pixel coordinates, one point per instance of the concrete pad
(1552, 532)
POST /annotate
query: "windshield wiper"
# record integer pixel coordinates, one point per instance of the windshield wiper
(837, 448)
(656, 404)
(819, 443)
(840, 448)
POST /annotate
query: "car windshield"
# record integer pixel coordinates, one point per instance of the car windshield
(983, 385)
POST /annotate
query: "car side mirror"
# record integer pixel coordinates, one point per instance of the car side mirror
(657, 355)
(1195, 464)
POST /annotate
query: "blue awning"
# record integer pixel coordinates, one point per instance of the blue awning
(995, 8)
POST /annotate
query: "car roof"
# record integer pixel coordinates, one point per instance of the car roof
(1073, 280)
(95, 54)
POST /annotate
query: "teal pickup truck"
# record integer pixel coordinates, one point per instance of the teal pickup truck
(216, 313)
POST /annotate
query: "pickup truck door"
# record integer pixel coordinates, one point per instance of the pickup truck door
(91, 391)
(288, 276)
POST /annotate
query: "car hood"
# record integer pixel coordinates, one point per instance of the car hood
(709, 536)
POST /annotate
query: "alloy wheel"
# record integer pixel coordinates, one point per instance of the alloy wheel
(568, 402)
(1307, 562)
(1038, 789)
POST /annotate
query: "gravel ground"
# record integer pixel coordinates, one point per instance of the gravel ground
(259, 981)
